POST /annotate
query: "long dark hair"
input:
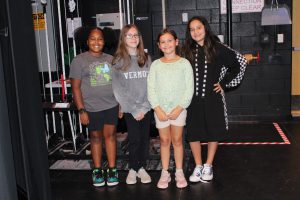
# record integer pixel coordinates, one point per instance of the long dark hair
(122, 53)
(165, 31)
(210, 41)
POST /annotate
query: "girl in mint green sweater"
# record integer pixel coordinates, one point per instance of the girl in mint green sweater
(170, 90)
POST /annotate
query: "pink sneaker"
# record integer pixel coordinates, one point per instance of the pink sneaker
(164, 180)
(180, 180)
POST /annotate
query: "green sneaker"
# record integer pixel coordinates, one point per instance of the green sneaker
(112, 177)
(98, 177)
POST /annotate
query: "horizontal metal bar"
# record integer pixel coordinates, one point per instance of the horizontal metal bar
(296, 48)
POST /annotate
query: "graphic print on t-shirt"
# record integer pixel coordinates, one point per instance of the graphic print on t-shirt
(100, 74)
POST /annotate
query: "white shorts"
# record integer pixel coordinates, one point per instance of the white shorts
(180, 121)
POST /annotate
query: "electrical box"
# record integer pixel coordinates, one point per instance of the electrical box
(111, 20)
(280, 38)
(185, 17)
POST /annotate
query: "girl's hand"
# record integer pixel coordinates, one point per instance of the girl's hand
(218, 88)
(140, 116)
(84, 118)
(175, 113)
(162, 116)
(120, 115)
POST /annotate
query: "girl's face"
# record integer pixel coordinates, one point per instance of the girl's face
(167, 43)
(95, 42)
(132, 38)
(197, 31)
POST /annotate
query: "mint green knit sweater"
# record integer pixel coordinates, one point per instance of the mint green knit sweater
(170, 84)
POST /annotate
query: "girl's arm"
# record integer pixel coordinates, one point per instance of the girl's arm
(162, 116)
(188, 92)
(233, 70)
(77, 96)
(151, 87)
(76, 76)
(152, 95)
(175, 113)
(189, 83)
(120, 91)
(143, 107)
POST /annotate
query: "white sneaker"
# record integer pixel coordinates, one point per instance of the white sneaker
(164, 180)
(207, 172)
(196, 175)
(180, 179)
(131, 177)
(144, 176)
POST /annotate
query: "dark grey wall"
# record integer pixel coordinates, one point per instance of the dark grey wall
(265, 91)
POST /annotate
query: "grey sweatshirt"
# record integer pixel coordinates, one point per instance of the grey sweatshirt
(130, 87)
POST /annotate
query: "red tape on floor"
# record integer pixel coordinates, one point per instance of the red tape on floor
(279, 130)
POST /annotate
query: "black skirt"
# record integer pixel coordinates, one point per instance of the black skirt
(207, 119)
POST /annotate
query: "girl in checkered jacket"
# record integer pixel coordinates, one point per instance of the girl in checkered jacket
(216, 68)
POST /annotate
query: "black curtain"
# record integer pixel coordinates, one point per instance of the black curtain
(7, 175)
(25, 132)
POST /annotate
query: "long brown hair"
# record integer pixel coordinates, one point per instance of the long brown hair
(210, 41)
(122, 52)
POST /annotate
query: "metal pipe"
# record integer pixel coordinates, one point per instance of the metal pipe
(72, 130)
(72, 7)
(124, 11)
(132, 14)
(163, 6)
(128, 12)
(61, 46)
(229, 22)
(67, 30)
(49, 65)
(40, 52)
(121, 15)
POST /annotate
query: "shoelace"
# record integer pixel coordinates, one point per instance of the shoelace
(112, 173)
(197, 171)
(165, 177)
(206, 170)
(98, 174)
(132, 173)
(179, 176)
(143, 173)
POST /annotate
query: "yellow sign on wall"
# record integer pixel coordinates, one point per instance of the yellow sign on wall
(38, 21)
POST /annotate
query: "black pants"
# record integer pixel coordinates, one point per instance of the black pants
(138, 135)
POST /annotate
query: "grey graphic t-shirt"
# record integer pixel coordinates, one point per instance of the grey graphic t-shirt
(96, 83)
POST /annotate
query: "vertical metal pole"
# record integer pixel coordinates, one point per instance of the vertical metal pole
(49, 65)
(61, 45)
(124, 10)
(229, 22)
(132, 14)
(72, 130)
(128, 12)
(121, 14)
(163, 5)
